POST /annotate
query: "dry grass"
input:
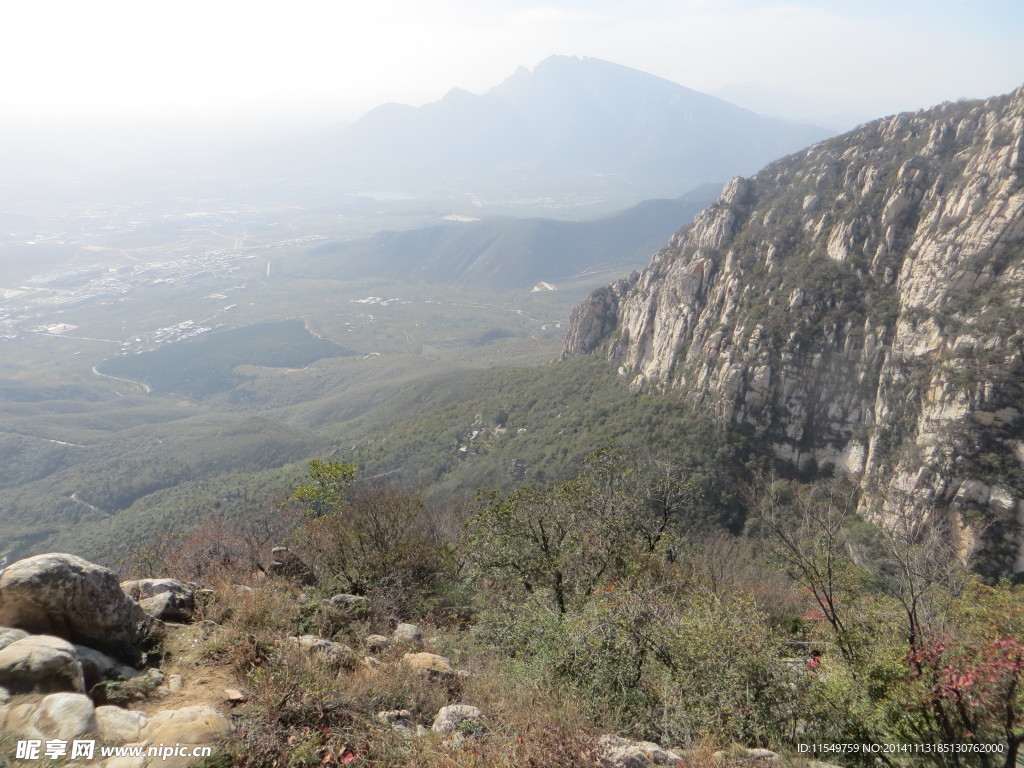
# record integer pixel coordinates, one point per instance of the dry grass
(307, 710)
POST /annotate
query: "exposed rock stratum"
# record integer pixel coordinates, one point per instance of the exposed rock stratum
(860, 305)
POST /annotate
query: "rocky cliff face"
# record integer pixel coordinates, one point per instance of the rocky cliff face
(860, 304)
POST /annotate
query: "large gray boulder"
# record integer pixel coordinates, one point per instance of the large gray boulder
(169, 606)
(164, 599)
(64, 595)
(120, 726)
(64, 716)
(41, 664)
(189, 726)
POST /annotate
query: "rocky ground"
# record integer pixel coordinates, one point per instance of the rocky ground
(134, 664)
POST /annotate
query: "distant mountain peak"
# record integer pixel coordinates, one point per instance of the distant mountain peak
(572, 69)
(458, 94)
(582, 125)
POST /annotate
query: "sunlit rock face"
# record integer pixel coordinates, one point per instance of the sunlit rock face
(861, 305)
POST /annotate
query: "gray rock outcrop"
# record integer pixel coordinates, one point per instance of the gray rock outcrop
(289, 565)
(432, 665)
(616, 752)
(377, 643)
(857, 305)
(400, 721)
(356, 605)
(197, 725)
(453, 718)
(64, 595)
(164, 599)
(120, 726)
(41, 664)
(63, 716)
(409, 634)
(328, 650)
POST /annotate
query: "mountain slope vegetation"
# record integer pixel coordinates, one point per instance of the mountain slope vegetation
(502, 254)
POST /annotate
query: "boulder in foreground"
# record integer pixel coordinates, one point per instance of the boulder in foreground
(63, 595)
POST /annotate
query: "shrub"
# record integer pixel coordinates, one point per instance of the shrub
(562, 543)
(379, 542)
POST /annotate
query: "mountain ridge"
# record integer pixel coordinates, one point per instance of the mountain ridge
(503, 254)
(857, 305)
(567, 122)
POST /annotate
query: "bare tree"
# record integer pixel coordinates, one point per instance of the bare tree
(807, 530)
(920, 564)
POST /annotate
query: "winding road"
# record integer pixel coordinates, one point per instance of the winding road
(142, 384)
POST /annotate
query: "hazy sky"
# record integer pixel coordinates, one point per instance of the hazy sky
(74, 60)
